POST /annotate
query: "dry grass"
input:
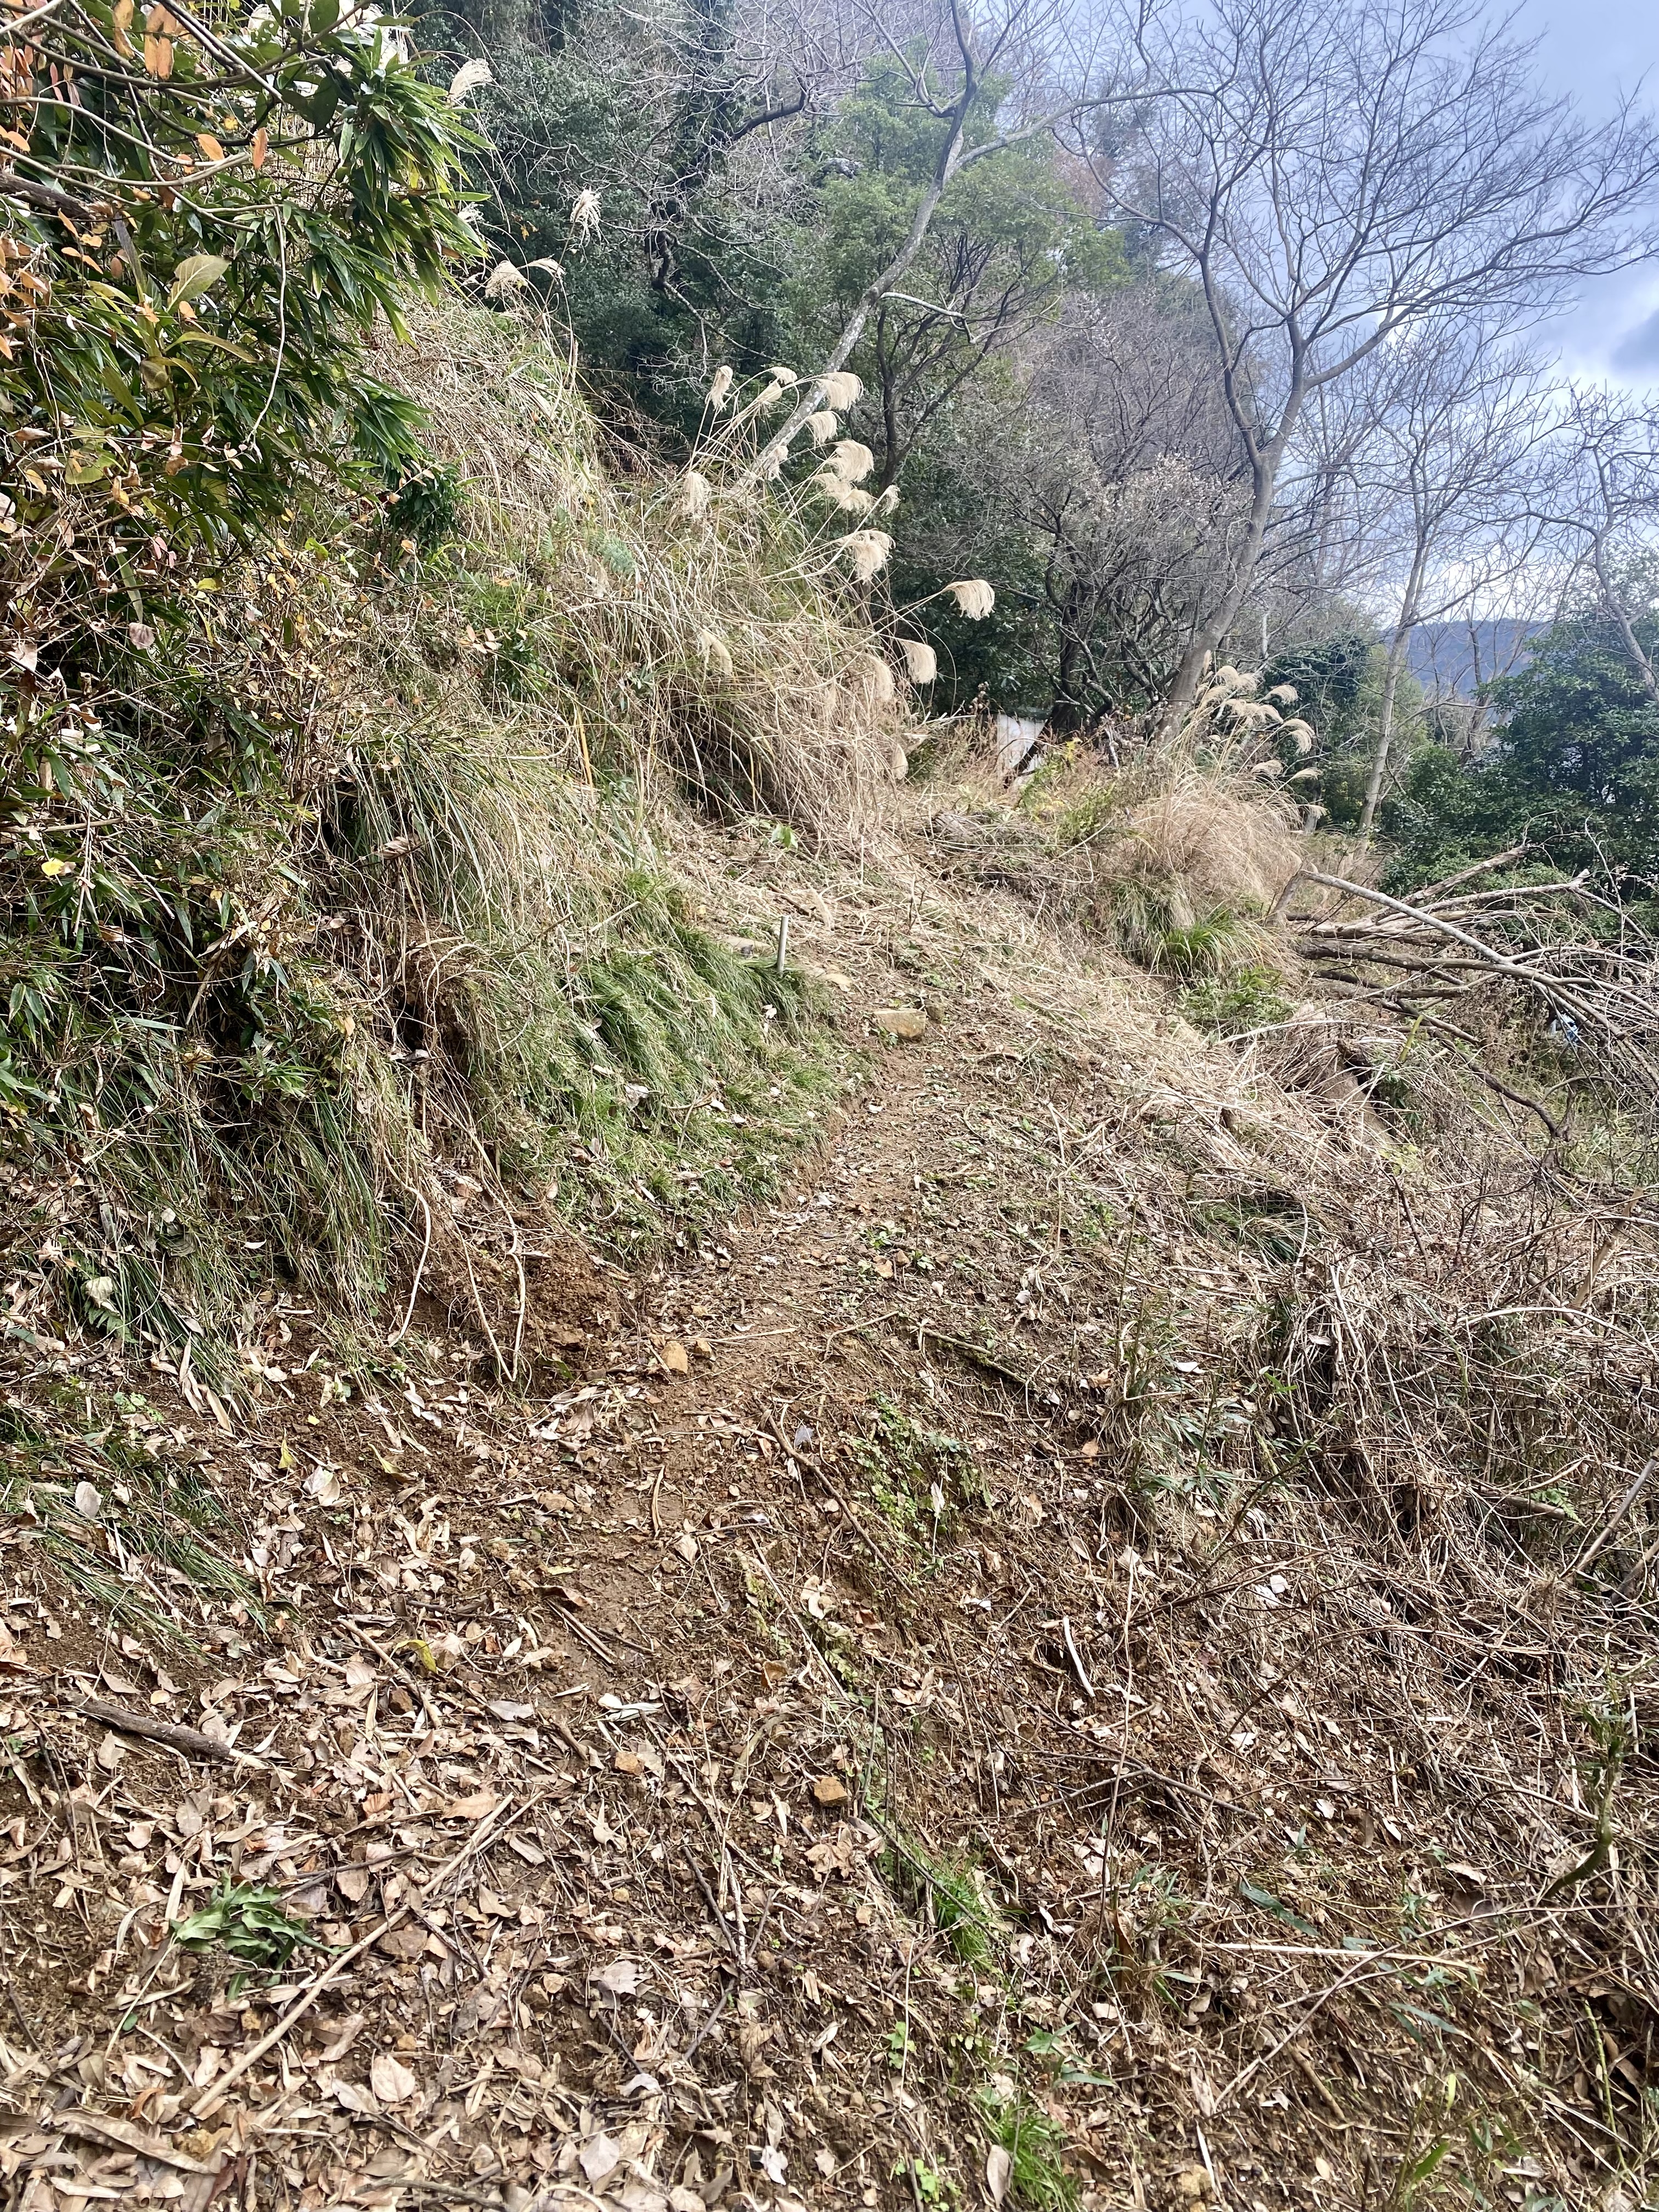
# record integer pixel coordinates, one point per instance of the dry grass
(438, 937)
(1333, 1841)
(717, 633)
(1176, 856)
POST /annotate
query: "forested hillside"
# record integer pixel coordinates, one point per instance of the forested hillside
(755, 1451)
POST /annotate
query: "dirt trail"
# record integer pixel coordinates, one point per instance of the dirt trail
(879, 1738)
(564, 1754)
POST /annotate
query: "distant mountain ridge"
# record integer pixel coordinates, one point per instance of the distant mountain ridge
(1451, 659)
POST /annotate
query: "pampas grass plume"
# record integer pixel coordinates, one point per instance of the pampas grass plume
(888, 502)
(504, 280)
(974, 597)
(852, 460)
(694, 494)
(920, 661)
(470, 75)
(716, 652)
(841, 389)
(831, 485)
(822, 426)
(878, 677)
(584, 213)
(719, 387)
(866, 552)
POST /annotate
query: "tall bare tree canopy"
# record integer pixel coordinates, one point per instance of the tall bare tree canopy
(1329, 177)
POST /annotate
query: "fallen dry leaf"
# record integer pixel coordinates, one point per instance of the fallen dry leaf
(325, 1486)
(391, 2080)
(598, 2158)
(478, 1806)
(998, 2172)
(349, 2029)
(122, 2135)
(620, 1978)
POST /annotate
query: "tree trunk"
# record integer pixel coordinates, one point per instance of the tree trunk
(1208, 638)
(1639, 660)
(771, 454)
(1065, 713)
(1411, 602)
(1384, 729)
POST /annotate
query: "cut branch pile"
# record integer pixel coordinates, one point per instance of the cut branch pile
(1428, 959)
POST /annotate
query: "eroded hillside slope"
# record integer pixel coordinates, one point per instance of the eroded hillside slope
(1096, 1645)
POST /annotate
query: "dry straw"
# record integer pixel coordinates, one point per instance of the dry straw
(645, 592)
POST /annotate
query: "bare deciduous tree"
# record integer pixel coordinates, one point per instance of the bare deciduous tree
(1132, 488)
(1608, 509)
(1038, 45)
(1457, 443)
(1332, 174)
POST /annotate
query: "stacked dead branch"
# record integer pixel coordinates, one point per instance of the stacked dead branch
(1579, 954)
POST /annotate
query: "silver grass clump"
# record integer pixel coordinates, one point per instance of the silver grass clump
(974, 596)
(920, 661)
(866, 552)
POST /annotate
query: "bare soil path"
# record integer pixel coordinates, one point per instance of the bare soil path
(890, 1732)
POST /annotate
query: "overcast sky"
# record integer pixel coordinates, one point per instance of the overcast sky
(1597, 49)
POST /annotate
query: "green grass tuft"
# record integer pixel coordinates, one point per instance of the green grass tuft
(1038, 2181)
(154, 1521)
(1230, 1003)
(945, 1893)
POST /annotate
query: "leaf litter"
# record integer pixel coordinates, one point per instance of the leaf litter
(956, 1734)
